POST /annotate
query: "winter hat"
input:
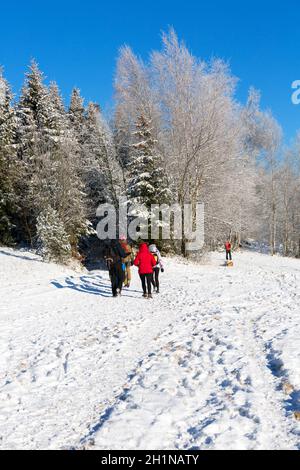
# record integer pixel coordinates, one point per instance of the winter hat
(153, 248)
(122, 237)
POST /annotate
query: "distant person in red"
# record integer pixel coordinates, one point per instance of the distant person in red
(228, 250)
(145, 261)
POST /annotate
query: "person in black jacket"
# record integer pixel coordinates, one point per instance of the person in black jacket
(113, 256)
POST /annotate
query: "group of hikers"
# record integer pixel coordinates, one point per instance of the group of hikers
(120, 257)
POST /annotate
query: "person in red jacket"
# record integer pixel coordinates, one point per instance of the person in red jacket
(145, 261)
(228, 250)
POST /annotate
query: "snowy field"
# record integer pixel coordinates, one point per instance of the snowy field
(213, 362)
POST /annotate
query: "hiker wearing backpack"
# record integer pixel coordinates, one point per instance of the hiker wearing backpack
(113, 256)
(127, 261)
(228, 250)
(145, 261)
(157, 268)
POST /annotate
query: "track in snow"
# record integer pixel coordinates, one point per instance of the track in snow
(201, 366)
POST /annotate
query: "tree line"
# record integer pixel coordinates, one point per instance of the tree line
(177, 134)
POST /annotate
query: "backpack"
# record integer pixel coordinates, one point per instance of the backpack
(126, 247)
(128, 251)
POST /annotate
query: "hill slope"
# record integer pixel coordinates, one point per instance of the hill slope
(208, 363)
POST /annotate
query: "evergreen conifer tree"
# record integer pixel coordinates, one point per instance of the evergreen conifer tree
(148, 183)
(7, 162)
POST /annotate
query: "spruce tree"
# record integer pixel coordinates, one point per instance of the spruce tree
(35, 113)
(101, 170)
(77, 113)
(148, 182)
(59, 122)
(53, 241)
(33, 134)
(49, 155)
(7, 162)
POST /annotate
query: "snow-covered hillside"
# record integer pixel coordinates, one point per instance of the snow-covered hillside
(212, 362)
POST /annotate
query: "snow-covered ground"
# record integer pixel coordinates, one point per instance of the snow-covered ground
(213, 362)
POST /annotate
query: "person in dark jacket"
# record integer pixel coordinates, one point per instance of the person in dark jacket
(145, 261)
(113, 257)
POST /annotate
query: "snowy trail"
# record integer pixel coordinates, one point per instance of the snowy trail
(204, 365)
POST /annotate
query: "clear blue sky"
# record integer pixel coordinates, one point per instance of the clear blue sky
(76, 43)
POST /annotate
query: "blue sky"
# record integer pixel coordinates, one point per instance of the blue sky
(76, 43)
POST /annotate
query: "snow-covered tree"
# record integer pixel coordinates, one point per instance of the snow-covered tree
(53, 241)
(178, 135)
(288, 201)
(271, 135)
(197, 125)
(7, 161)
(101, 171)
(77, 113)
(62, 189)
(35, 113)
(134, 98)
(49, 157)
(148, 182)
(60, 124)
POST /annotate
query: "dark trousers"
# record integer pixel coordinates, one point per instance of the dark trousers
(228, 255)
(116, 274)
(155, 278)
(146, 279)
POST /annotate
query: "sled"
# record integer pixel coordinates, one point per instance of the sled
(229, 264)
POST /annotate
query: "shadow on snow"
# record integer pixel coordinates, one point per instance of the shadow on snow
(27, 258)
(89, 284)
